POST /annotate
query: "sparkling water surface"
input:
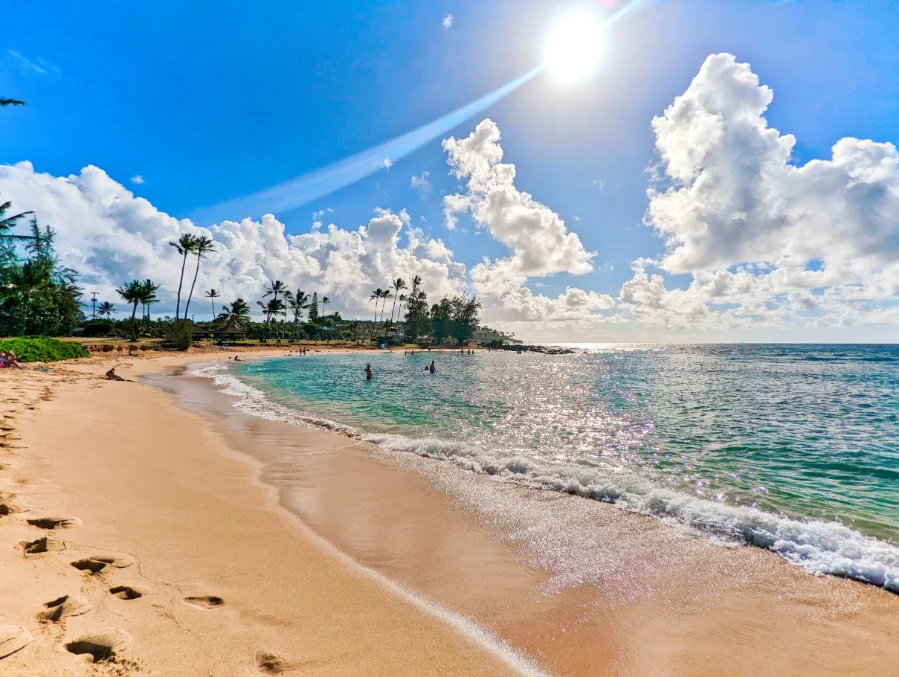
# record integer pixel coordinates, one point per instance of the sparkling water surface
(719, 437)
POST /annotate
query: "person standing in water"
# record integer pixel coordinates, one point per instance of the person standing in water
(368, 372)
(431, 368)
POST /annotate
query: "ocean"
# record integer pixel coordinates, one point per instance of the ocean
(793, 448)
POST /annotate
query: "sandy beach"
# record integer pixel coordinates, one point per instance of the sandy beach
(150, 527)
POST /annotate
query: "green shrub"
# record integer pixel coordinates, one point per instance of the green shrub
(42, 349)
(96, 328)
(180, 336)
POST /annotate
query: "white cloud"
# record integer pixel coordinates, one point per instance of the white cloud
(447, 22)
(320, 213)
(421, 183)
(138, 179)
(111, 236)
(767, 243)
(539, 241)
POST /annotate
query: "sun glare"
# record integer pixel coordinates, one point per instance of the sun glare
(574, 46)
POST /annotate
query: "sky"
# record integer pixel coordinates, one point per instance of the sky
(727, 172)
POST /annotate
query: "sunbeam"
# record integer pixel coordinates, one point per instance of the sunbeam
(321, 182)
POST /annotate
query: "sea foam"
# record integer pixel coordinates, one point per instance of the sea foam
(819, 547)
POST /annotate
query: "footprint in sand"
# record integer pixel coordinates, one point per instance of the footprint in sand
(52, 522)
(102, 645)
(13, 638)
(205, 602)
(65, 606)
(42, 545)
(97, 563)
(269, 663)
(125, 592)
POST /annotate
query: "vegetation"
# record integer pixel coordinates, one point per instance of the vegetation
(185, 246)
(202, 246)
(37, 294)
(42, 349)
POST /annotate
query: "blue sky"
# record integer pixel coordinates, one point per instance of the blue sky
(213, 101)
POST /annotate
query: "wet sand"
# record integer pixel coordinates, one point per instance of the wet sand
(581, 586)
(270, 518)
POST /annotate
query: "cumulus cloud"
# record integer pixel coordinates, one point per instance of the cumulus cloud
(421, 183)
(735, 197)
(110, 236)
(447, 22)
(539, 241)
(138, 179)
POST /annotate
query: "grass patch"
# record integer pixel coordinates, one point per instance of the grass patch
(42, 349)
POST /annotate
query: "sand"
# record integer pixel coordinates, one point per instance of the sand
(168, 557)
(229, 545)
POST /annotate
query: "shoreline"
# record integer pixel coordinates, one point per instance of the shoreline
(652, 570)
(189, 565)
(613, 593)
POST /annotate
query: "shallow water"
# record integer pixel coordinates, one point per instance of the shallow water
(793, 448)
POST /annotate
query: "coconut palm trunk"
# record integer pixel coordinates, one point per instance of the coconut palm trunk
(202, 246)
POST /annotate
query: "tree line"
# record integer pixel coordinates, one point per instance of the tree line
(39, 296)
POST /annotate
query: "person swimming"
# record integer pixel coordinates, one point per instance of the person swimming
(368, 372)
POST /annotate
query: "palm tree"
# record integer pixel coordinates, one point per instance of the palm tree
(274, 289)
(148, 297)
(272, 308)
(106, 308)
(185, 245)
(297, 303)
(212, 295)
(376, 296)
(325, 301)
(11, 102)
(397, 285)
(132, 292)
(202, 246)
(384, 296)
(7, 222)
(416, 283)
(399, 314)
(236, 315)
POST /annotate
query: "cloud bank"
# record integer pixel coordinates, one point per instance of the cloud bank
(767, 242)
(750, 239)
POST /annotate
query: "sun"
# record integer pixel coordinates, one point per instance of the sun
(574, 46)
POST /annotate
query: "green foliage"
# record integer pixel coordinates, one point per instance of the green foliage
(95, 328)
(313, 308)
(455, 318)
(495, 343)
(417, 321)
(180, 335)
(42, 349)
(37, 294)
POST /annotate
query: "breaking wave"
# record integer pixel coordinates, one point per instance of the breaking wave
(820, 547)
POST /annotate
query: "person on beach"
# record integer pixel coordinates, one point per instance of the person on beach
(11, 360)
(237, 358)
(112, 376)
(367, 372)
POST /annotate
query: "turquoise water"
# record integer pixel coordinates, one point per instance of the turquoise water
(795, 448)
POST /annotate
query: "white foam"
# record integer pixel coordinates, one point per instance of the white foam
(819, 547)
